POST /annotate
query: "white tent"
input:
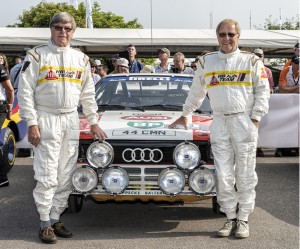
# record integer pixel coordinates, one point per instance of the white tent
(102, 42)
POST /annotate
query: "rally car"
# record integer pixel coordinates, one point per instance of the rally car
(12, 131)
(142, 159)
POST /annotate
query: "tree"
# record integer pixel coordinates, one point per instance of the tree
(288, 24)
(40, 16)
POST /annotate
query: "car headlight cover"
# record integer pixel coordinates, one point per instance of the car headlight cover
(115, 180)
(171, 181)
(100, 154)
(202, 181)
(186, 155)
(84, 179)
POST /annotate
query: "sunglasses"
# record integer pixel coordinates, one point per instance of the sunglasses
(259, 55)
(231, 35)
(193, 66)
(59, 28)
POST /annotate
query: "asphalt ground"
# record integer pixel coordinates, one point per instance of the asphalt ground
(274, 223)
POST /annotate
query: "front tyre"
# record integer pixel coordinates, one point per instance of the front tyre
(216, 206)
(75, 203)
(7, 159)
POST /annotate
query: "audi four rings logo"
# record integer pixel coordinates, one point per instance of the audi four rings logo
(145, 155)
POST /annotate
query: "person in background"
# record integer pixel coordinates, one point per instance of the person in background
(54, 78)
(18, 60)
(96, 77)
(122, 66)
(114, 60)
(16, 69)
(147, 69)
(296, 52)
(179, 66)
(4, 62)
(259, 52)
(194, 65)
(238, 88)
(164, 66)
(289, 77)
(6, 103)
(203, 53)
(134, 65)
(102, 70)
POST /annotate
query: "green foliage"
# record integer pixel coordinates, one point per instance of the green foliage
(41, 14)
(288, 24)
(147, 61)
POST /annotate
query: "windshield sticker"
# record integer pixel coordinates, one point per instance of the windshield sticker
(146, 117)
(149, 78)
(143, 132)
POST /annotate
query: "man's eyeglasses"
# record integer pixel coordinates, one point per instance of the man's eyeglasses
(59, 28)
(259, 55)
(193, 66)
(231, 35)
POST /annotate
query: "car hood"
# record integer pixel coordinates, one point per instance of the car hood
(149, 125)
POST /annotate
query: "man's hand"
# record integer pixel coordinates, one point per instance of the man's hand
(98, 132)
(182, 121)
(34, 135)
(9, 109)
(255, 122)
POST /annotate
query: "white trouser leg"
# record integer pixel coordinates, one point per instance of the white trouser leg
(47, 164)
(66, 164)
(234, 142)
(244, 140)
(224, 163)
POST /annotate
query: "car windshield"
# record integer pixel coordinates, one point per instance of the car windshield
(144, 92)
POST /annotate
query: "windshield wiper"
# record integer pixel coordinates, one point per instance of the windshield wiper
(164, 107)
(110, 107)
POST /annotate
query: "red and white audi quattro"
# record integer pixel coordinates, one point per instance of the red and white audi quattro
(142, 159)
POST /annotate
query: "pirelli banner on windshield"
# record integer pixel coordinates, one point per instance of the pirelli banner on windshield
(280, 127)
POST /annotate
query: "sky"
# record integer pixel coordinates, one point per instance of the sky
(177, 14)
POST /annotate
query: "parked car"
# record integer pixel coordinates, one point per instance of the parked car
(142, 159)
(12, 131)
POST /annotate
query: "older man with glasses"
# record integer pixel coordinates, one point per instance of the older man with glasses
(54, 78)
(238, 88)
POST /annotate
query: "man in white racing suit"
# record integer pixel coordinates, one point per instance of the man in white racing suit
(54, 78)
(238, 88)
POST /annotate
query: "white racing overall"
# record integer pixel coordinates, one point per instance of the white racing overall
(53, 81)
(238, 88)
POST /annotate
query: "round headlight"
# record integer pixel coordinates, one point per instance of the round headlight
(186, 155)
(171, 181)
(115, 180)
(202, 181)
(84, 179)
(100, 154)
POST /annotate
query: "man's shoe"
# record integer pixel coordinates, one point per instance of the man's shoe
(47, 235)
(242, 230)
(61, 231)
(278, 153)
(259, 152)
(227, 229)
(4, 183)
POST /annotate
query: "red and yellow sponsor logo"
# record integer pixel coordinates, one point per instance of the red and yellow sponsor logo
(263, 74)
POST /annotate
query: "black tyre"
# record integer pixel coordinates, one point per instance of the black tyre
(75, 203)
(216, 206)
(7, 159)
